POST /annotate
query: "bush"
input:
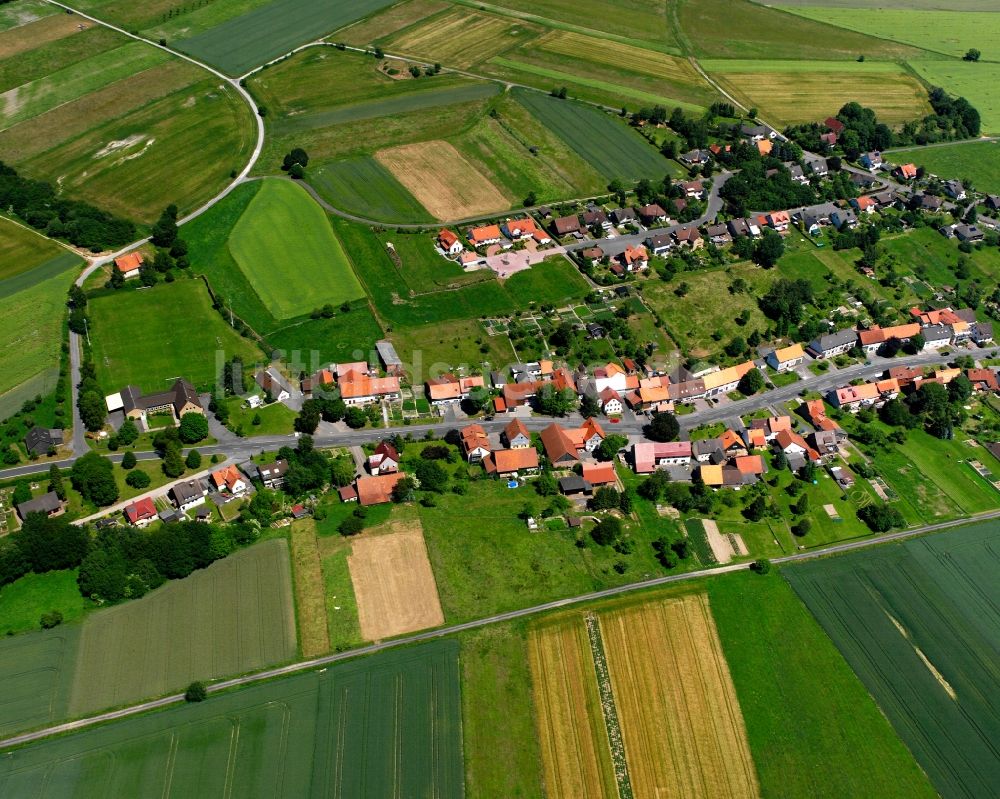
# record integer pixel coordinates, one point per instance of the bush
(137, 479)
(193, 427)
(196, 692)
(51, 619)
(352, 525)
(128, 460)
(761, 566)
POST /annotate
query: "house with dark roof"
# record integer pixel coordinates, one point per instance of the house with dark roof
(188, 494)
(272, 475)
(49, 504)
(42, 440)
(624, 216)
(179, 399)
(829, 345)
(659, 244)
(566, 225)
(651, 214)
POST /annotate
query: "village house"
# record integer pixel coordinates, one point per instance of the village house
(40, 441)
(817, 165)
(141, 512)
(797, 174)
(852, 398)
(871, 160)
(829, 138)
(771, 426)
(905, 172)
(843, 217)
(128, 265)
(611, 402)
(624, 216)
(785, 358)
(272, 475)
(359, 387)
(179, 399)
(592, 255)
(510, 462)
(320, 380)
(229, 480)
(448, 242)
(652, 214)
(983, 379)
(384, 460)
(815, 413)
(448, 389)
(516, 435)
(830, 345)
(955, 189)
(649, 456)
(188, 494)
(660, 243)
(377, 489)
(872, 339)
(564, 447)
(484, 236)
(475, 443)
(981, 333)
(695, 157)
(718, 234)
(272, 384)
(613, 376)
(597, 218)
(797, 451)
(600, 474)
(764, 147)
(48, 503)
(634, 259)
(566, 226)
(743, 227)
(968, 233)
(688, 237)
(864, 204)
(693, 189)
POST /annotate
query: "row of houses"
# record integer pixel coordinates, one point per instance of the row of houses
(938, 328)
(902, 379)
(357, 382)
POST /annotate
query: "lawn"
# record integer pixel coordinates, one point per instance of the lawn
(742, 29)
(23, 601)
(951, 32)
(609, 145)
(37, 671)
(791, 92)
(427, 349)
(978, 162)
(912, 621)
(317, 341)
(943, 463)
(128, 330)
(23, 250)
(795, 690)
(245, 41)
(33, 329)
(235, 616)
(275, 419)
(23, 13)
(502, 756)
(978, 83)
(388, 725)
(285, 247)
(362, 186)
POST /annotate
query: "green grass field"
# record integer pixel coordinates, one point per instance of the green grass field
(243, 42)
(948, 32)
(129, 329)
(23, 13)
(388, 725)
(502, 756)
(604, 142)
(284, 245)
(916, 624)
(976, 161)
(795, 690)
(362, 186)
(233, 617)
(791, 92)
(23, 601)
(326, 340)
(978, 83)
(743, 29)
(37, 672)
(23, 250)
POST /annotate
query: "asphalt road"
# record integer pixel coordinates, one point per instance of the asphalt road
(322, 662)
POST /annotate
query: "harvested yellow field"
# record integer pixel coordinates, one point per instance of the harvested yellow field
(393, 581)
(619, 56)
(462, 38)
(41, 31)
(571, 732)
(788, 95)
(310, 598)
(388, 22)
(447, 185)
(680, 719)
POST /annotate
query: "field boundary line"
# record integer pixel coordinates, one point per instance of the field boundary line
(609, 710)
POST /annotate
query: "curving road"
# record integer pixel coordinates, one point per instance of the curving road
(497, 618)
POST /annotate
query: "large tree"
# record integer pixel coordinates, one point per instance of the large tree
(663, 427)
(93, 476)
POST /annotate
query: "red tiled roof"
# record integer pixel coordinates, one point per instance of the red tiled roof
(377, 490)
(129, 262)
(599, 473)
(140, 510)
(506, 461)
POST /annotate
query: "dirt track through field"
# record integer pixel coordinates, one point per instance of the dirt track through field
(447, 185)
(393, 582)
(683, 729)
(574, 742)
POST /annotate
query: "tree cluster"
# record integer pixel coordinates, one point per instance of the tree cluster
(79, 223)
(785, 301)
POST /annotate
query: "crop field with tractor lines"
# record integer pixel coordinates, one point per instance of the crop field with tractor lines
(233, 617)
(918, 623)
(387, 725)
(791, 92)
